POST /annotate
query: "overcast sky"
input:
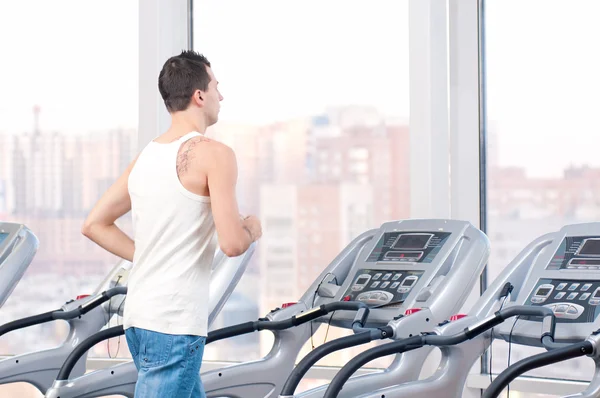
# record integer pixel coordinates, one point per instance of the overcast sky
(278, 59)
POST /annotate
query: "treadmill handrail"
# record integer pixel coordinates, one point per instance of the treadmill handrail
(534, 362)
(77, 353)
(415, 342)
(91, 304)
(364, 337)
(60, 313)
(219, 334)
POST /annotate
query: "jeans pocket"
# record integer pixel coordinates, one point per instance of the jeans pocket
(196, 348)
(155, 348)
(132, 342)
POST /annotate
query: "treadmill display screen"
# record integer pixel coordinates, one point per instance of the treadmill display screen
(591, 247)
(543, 292)
(3, 237)
(408, 246)
(412, 241)
(577, 253)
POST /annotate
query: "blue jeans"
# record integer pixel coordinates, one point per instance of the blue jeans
(168, 365)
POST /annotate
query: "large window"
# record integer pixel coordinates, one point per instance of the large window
(543, 165)
(68, 128)
(316, 108)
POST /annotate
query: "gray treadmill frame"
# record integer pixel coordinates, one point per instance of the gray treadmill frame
(16, 254)
(443, 301)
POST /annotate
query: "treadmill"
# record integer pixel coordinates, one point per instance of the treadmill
(558, 272)
(432, 266)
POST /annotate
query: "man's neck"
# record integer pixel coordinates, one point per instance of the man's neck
(182, 124)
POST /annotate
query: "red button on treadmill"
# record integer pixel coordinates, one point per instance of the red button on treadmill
(347, 298)
(285, 305)
(82, 296)
(457, 317)
(411, 311)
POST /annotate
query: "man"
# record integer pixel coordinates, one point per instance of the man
(181, 190)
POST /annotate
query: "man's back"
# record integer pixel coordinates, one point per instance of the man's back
(174, 234)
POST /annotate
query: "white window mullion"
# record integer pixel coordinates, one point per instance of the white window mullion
(163, 32)
(429, 128)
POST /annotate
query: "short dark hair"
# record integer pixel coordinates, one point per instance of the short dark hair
(180, 76)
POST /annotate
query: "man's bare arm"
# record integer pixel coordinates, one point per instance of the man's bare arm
(100, 224)
(234, 234)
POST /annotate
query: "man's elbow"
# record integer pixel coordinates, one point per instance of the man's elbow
(87, 229)
(232, 250)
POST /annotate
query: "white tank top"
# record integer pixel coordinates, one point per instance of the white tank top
(174, 235)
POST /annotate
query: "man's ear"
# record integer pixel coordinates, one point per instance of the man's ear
(197, 97)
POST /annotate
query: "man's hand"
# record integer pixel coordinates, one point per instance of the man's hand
(252, 225)
(100, 224)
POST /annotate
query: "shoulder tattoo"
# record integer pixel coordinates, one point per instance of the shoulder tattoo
(186, 153)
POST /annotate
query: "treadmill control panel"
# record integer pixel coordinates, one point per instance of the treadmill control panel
(577, 253)
(415, 247)
(378, 288)
(573, 301)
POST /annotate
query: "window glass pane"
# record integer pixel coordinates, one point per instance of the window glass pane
(543, 165)
(316, 107)
(68, 129)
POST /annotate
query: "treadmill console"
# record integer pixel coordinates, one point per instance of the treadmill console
(403, 264)
(575, 299)
(572, 300)
(563, 275)
(377, 287)
(18, 246)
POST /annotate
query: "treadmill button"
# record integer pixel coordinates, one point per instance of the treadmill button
(537, 300)
(375, 284)
(387, 276)
(384, 285)
(394, 285)
(574, 286)
(561, 308)
(376, 276)
(561, 286)
(586, 287)
(572, 310)
(572, 296)
(559, 295)
(584, 296)
(594, 301)
(396, 277)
